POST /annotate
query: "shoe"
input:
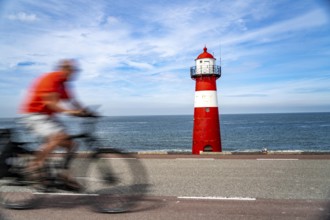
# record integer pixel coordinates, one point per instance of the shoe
(111, 179)
(70, 183)
(37, 179)
(33, 174)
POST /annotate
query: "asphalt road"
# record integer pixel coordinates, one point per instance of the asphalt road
(189, 187)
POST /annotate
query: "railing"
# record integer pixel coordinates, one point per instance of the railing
(205, 70)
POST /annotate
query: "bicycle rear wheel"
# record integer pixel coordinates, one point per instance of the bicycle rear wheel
(118, 181)
(17, 195)
(14, 192)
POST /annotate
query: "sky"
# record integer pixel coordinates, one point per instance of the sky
(135, 55)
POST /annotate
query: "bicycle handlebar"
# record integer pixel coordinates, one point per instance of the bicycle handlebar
(89, 115)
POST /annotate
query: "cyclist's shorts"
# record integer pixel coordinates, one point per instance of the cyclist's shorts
(42, 125)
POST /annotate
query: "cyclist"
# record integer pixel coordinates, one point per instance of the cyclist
(39, 114)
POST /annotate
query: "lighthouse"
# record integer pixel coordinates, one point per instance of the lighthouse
(206, 129)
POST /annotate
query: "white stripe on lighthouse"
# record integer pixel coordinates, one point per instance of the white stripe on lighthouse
(206, 98)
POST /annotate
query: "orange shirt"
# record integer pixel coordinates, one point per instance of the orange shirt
(53, 82)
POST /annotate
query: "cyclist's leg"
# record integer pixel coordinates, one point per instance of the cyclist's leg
(62, 140)
(54, 141)
(55, 136)
(50, 130)
(65, 174)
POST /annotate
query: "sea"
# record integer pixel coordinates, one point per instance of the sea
(292, 132)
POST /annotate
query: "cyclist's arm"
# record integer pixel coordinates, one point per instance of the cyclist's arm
(52, 101)
(76, 104)
(69, 97)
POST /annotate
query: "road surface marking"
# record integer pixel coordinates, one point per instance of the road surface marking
(66, 194)
(216, 198)
(276, 159)
(120, 158)
(194, 158)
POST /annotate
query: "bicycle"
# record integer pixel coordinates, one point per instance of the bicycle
(115, 181)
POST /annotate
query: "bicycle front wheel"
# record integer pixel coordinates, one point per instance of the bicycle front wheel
(117, 180)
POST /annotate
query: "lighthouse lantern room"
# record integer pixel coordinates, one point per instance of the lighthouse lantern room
(206, 130)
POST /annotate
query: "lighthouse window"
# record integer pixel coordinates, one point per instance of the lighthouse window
(201, 61)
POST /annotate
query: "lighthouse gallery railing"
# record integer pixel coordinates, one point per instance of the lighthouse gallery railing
(205, 70)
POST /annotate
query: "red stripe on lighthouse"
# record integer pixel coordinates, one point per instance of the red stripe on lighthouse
(206, 134)
(206, 83)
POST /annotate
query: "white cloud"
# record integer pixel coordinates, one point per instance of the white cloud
(300, 92)
(143, 54)
(22, 16)
(112, 20)
(139, 65)
(280, 30)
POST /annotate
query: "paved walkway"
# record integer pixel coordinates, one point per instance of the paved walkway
(217, 187)
(258, 177)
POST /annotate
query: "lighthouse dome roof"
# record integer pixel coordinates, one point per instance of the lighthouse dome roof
(205, 54)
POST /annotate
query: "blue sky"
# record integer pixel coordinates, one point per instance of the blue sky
(135, 55)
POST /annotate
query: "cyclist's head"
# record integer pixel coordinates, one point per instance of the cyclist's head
(69, 67)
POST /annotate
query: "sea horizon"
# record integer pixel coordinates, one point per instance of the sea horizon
(192, 114)
(252, 132)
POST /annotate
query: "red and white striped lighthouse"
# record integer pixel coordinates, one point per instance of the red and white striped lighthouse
(206, 132)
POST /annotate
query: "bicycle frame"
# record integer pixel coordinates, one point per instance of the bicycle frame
(17, 149)
(114, 190)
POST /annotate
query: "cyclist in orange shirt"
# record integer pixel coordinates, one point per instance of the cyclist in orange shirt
(40, 110)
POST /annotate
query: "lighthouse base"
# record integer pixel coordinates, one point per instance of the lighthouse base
(206, 133)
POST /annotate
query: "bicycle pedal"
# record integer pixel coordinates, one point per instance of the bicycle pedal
(111, 179)
(19, 183)
(71, 188)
